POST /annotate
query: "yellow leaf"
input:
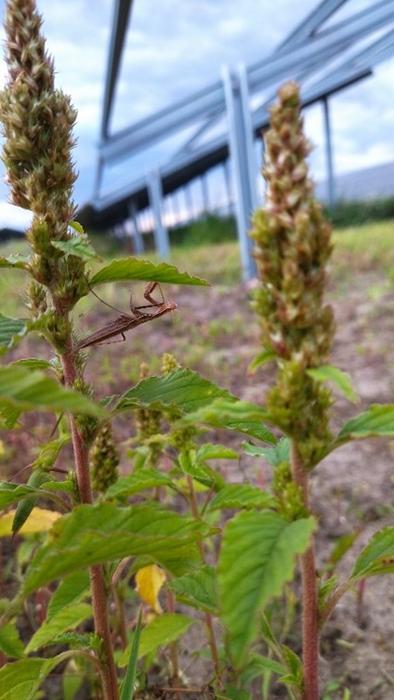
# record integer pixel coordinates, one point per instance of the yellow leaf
(39, 520)
(149, 581)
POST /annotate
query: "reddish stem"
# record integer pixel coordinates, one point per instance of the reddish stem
(310, 628)
(97, 584)
(207, 615)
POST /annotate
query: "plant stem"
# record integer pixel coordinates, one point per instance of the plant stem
(207, 615)
(310, 630)
(173, 645)
(97, 584)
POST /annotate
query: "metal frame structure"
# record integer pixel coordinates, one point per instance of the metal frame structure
(324, 61)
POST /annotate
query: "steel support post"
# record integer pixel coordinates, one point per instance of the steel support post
(329, 156)
(241, 152)
(160, 232)
(137, 237)
(205, 193)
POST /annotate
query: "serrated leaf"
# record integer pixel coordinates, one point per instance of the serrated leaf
(19, 262)
(126, 269)
(242, 496)
(240, 416)
(342, 380)
(214, 451)
(377, 557)
(27, 390)
(161, 631)
(66, 619)
(197, 589)
(10, 641)
(377, 421)
(183, 388)
(274, 455)
(257, 558)
(261, 359)
(71, 590)
(80, 640)
(149, 582)
(79, 246)
(12, 330)
(127, 688)
(138, 481)
(94, 534)
(39, 520)
(22, 678)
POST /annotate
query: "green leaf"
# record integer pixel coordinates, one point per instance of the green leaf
(69, 617)
(71, 590)
(342, 380)
(22, 678)
(260, 664)
(377, 421)
(261, 359)
(33, 363)
(377, 557)
(274, 455)
(341, 547)
(197, 589)
(127, 689)
(136, 269)
(183, 388)
(77, 226)
(242, 496)
(72, 680)
(50, 451)
(210, 451)
(12, 330)
(26, 505)
(10, 642)
(161, 631)
(241, 416)
(12, 493)
(257, 558)
(80, 246)
(94, 534)
(23, 389)
(140, 480)
(19, 262)
(201, 472)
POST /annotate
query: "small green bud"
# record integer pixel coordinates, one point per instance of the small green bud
(104, 460)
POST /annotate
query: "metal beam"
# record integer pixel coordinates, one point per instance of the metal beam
(241, 148)
(119, 29)
(263, 73)
(309, 25)
(329, 156)
(160, 232)
(137, 237)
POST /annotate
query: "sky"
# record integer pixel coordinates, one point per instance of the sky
(175, 47)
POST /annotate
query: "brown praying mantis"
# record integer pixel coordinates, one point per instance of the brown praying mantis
(125, 322)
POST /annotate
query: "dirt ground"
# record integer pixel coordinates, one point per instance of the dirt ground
(215, 332)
